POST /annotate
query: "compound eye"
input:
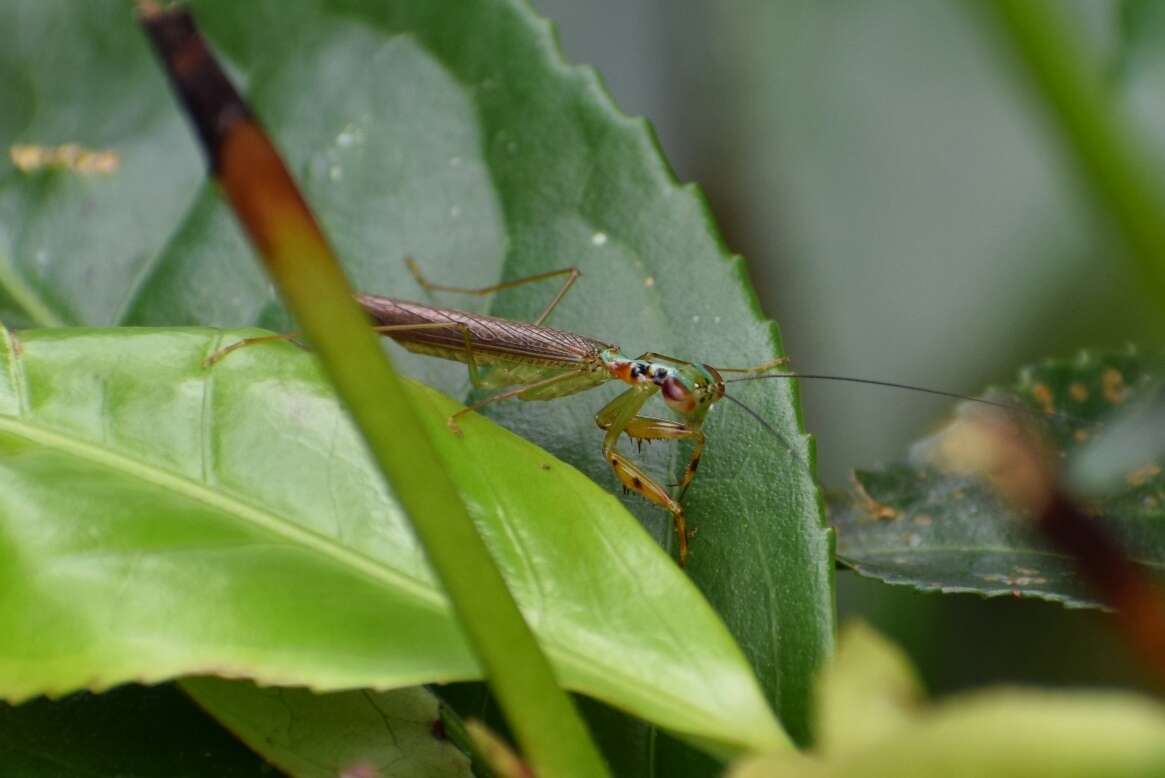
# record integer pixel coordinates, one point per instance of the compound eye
(676, 394)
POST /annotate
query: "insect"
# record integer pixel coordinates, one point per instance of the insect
(531, 361)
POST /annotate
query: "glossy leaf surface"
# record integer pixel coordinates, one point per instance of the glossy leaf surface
(455, 133)
(160, 519)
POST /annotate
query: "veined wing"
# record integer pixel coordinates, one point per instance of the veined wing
(490, 336)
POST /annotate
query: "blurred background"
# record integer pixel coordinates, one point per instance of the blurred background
(908, 213)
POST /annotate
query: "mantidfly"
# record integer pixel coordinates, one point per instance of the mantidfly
(531, 361)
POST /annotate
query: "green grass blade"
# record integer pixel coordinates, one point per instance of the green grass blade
(316, 291)
(1107, 153)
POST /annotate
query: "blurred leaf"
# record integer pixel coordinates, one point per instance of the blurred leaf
(868, 691)
(931, 529)
(73, 246)
(228, 522)
(310, 735)
(129, 732)
(1050, 49)
(998, 732)
(1138, 76)
(455, 133)
(1122, 447)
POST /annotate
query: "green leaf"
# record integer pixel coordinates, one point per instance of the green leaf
(130, 732)
(992, 732)
(868, 691)
(323, 735)
(936, 530)
(228, 522)
(455, 133)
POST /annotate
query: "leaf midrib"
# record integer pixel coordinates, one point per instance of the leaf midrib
(351, 560)
(227, 503)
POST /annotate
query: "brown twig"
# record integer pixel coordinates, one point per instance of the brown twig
(1012, 456)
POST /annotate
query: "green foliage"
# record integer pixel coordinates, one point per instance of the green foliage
(228, 522)
(158, 520)
(930, 528)
(456, 135)
(873, 720)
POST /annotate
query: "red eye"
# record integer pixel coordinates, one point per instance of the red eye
(676, 394)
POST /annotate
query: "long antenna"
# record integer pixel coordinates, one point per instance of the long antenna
(761, 420)
(911, 388)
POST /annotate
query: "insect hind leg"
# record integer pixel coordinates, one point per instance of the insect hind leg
(572, 274)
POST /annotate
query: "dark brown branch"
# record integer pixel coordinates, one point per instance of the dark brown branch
(1022, 469)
